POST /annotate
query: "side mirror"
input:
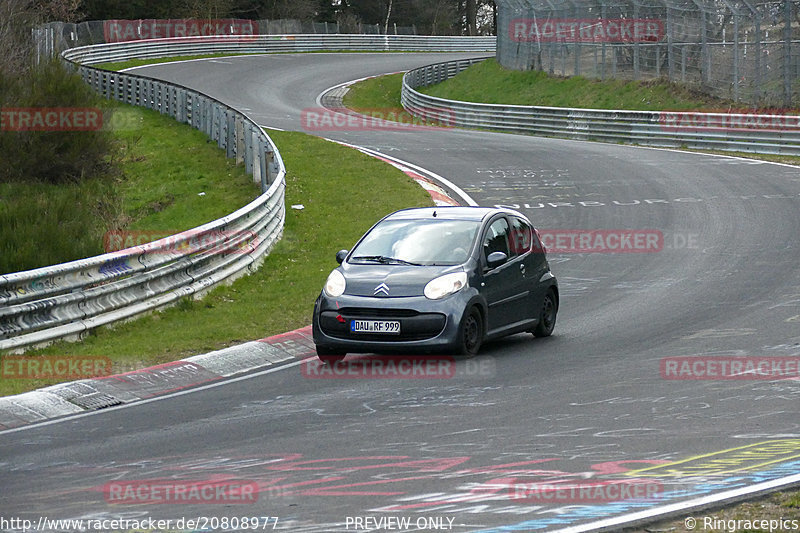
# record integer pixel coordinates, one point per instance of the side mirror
(341, 255)
(496, 259)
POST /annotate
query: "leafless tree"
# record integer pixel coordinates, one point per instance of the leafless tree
(348, 23)
(57, 10)
(290, 9)
(206, 9)
(16, 21)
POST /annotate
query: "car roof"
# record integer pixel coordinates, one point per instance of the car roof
(450, 213)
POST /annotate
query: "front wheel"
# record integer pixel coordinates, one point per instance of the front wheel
(471, 333)
(329, 356)
(547, 316)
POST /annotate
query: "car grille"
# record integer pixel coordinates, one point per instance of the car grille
(376, 312)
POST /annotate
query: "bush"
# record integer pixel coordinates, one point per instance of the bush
(53, 156)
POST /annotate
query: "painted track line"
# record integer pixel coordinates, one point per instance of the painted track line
(681, 508)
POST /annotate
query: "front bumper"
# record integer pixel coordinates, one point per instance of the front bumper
(425, 325)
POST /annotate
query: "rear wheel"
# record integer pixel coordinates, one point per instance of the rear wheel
(329, 356)
(547, 315)
(471, 333)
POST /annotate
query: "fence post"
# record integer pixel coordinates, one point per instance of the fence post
(736, 57)
(757, 80)
(787, 53)
(636, 45)
(705, 54)
(577, 47)
(670, 45)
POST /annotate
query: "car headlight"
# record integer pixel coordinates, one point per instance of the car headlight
(444, 285)
(335, 284)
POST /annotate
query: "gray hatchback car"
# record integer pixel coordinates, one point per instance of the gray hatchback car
(441, 279)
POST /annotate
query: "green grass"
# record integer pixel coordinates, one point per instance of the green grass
(381, 93)
(488, 82)
(792, 501)
(43, 224)
(167, 168)
(380, 97)
(773, 158)
(344, 192)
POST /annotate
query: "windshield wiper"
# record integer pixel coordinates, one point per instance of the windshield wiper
(384, 260)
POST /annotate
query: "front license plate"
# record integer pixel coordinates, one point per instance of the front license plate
(375, 326)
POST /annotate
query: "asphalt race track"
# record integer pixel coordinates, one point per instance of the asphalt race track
(593, 406)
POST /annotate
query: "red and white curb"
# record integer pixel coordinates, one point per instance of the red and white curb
(430, 181)
(438, 194)
(92, 394)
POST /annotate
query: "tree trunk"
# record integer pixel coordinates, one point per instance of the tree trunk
(472, 17)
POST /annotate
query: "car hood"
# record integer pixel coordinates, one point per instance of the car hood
(400, 280)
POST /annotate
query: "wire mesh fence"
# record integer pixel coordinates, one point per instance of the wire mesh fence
(741, 50)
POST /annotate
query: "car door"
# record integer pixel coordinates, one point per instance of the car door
(525, 243)
(502, 286)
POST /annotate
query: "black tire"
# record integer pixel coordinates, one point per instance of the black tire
(329, 356)
(547, 315)
(470, 335)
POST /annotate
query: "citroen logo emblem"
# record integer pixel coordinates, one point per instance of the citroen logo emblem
(381, 290)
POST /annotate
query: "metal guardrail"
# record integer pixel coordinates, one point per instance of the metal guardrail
(261, 44)
(739, 132)
(66, 301)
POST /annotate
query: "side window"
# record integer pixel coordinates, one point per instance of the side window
(496, 239)
(521, 236)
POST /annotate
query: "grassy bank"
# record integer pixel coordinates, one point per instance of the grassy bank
(164, 167)
(343, 193)
(489, 83)
(379, 93)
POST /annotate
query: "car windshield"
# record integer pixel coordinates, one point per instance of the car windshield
(418, 242)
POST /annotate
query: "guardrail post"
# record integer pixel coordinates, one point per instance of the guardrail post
(215, 122)
(230, 138)
(239, 144)
(248, 149)
(259, 164)
(184, 107)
